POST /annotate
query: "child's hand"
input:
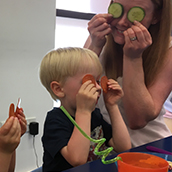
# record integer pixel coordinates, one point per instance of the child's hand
(10, 134)
(23, 123)
(87, 96)
(114, 93)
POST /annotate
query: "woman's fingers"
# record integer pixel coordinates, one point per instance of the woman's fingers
(142, 33)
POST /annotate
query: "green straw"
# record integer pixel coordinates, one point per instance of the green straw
(104, 153)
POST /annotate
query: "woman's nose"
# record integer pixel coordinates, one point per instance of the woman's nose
(123, 21)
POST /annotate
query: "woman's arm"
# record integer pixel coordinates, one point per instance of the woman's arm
(10, 134)
(5, 160)
(12, 162)
(142, 104)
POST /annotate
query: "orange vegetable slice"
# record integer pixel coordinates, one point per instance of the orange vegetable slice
(12, 107)
(103, 82)
(89, 77)
(11, 110)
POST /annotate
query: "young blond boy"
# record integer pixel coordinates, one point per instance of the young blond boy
(61, 73)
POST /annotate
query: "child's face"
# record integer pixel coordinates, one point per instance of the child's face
(73, 85)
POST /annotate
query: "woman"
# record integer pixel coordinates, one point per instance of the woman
(139, 56)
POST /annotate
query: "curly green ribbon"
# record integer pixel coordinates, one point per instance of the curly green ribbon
(100, 142)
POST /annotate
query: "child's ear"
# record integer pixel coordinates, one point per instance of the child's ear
(57, 89)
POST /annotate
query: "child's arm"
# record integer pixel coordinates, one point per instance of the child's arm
(77, 150)
(120, 137)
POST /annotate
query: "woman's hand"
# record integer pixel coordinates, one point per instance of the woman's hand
(20, 115)
(10, 134)
(98, 28)
(134, 48)
(23, 123)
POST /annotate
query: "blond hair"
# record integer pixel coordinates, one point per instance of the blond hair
(154, 56)
(59, 64)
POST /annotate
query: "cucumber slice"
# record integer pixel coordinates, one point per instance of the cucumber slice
(116, 9)
(136, 13)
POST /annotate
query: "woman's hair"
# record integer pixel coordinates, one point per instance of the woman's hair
(59, 64)
(153, 56)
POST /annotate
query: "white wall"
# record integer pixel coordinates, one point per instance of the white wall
(88, 6)
(27, 32)
(75, 30)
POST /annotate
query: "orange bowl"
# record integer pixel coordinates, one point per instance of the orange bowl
(141, 162)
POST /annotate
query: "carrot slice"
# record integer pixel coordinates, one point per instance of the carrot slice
(11, 110)
(89, 77)
(103, 82)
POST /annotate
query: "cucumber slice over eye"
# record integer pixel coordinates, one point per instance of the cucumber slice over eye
(136, 13)
(116, 9)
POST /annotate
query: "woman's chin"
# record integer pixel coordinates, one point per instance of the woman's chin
(119, 40)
